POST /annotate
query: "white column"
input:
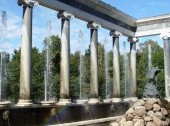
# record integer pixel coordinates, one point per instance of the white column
(26, 47)
(166, 39)
(65, 54)
(93, 62)
(133, 85)
(116, 66)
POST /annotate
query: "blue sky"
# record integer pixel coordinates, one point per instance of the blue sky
(135, 8)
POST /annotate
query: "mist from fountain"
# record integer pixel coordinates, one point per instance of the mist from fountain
(48, 98)
(106, 67)
(149, 57)
(126, 71)
(82, 96)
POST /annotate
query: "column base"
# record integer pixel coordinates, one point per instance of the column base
(64, 102)
(24, 103)
(93, 101)
(47, 103)
(5, 104)
(107, 100)
(115, 100)
(82, 101)
(133, 99)
(167, 98)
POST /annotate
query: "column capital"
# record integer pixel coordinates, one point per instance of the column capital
(93, 25)
(133, 39)
(64, 15)
(29, 3)
(165, 35)
(114, 33)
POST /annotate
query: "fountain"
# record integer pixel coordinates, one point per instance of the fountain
(107, 78)
(83, 97)
(47, 73)
(126, 71)
(3, 62)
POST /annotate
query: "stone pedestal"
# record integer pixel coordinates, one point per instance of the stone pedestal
(93, 60)
(64, 102)
(65, 54)
(116, 64)
(133, 86)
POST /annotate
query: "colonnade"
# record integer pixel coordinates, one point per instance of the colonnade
(25, 70)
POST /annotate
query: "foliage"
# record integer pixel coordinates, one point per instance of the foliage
(38, 63)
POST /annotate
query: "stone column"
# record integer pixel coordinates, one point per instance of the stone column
(133, 85)
(65, 54)
(116, 66)
(93, 61)
(26, 47)
(166, 39)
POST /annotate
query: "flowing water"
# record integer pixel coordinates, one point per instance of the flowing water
(3, 55)
(126, 70)
(106, 68)
(47, 73)
(83, 95)
(149, 57)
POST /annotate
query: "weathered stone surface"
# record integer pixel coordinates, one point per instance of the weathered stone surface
(164, 111)
(122, 121)
(148, 106)
(129, 117)
(130, 111)
(148, 118)
(168, 121)
(156, 107)
(140, 123)
(150, 124)
(135, 120)
(157, 121)
(164, 123)
(151, 101)
(129, 123)
(151, 113)
(146, 112)
(114, 124)
(140, 110)
(159, 115)
(119, 119)
(139, 102)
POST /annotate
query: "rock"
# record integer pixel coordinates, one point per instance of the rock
(159, 115)
(129, 117)
(151, 113)
(156, 107)
(122, 121)
(150, 124)
(157, 121)
(159, 102)
(140, 110)
(129, 123)
(141, 102)
(164, 111)
(119, 119)
(135, 120)
(164, 123)
(151, 101)
(168, 121)
(114, 124)
(140, 123)
(148, 118)
(148, 106)
(130, 111)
